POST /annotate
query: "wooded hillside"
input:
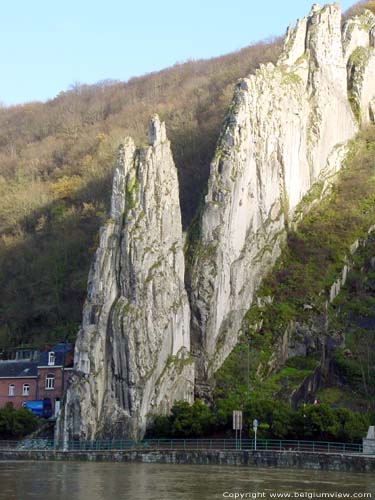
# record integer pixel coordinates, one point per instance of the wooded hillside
(56, 163)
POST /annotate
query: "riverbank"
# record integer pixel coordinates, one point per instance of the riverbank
(283, 459)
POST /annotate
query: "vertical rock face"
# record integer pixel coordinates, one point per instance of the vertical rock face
(132, 354)
(359, 48)
(285, 131)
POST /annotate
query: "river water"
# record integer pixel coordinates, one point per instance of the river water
(133, 481)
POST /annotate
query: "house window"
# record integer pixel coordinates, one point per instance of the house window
(11, 390)
(51, 358)
(50, 381)
(25, 390)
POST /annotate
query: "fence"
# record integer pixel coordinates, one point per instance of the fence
(187, 444)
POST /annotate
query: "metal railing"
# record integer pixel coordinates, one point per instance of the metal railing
(186, 444)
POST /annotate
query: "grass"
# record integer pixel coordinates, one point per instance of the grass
(299, 284)
(317, 250)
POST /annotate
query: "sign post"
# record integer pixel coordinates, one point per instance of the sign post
(237, 426)
(255, 428)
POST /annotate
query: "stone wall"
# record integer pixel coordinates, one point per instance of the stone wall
(284, 459)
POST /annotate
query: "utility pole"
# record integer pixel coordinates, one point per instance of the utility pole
(63, 367)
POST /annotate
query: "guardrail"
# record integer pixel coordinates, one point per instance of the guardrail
(186, 444)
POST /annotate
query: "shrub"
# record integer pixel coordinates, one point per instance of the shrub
(277, 420)
(16, 423)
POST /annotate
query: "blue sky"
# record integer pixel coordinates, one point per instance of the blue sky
(47, 45)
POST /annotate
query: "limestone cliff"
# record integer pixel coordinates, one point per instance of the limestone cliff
(359, 49)
(286, 129)
(132, 353)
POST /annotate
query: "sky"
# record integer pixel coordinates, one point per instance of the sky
(48, 45)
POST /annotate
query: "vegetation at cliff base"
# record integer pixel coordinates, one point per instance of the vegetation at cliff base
(16, 423)
(277, 421)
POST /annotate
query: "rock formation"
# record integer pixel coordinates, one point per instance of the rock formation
(132, 354)
(286, 129)
(359, 43)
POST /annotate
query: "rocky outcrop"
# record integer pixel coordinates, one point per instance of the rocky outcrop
(286, 130)
(132, 354)
(359, 48)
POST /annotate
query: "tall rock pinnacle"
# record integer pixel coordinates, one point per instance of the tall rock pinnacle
(132, 353)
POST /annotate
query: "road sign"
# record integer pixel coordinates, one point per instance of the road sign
(237, 420)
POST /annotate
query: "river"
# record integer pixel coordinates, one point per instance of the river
(133, 481)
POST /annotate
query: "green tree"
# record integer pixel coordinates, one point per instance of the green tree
(191, 420)
(16, 423)
(317, 422)
(274, 417)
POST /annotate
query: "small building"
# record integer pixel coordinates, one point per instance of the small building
(18, 382)
(22, 381)
(54, 369)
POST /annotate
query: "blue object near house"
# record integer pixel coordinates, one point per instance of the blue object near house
(41, 408)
